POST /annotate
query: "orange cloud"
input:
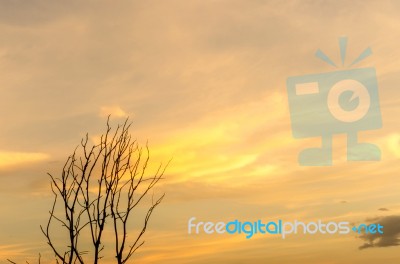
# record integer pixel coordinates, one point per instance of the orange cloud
(11, 159)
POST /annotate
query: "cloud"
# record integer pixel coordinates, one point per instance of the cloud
(383, 209)
(10, 159)
(390, 236)
(176, 69)
(393, 144)
(113, 111)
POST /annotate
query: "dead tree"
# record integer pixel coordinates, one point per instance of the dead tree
(99, 186)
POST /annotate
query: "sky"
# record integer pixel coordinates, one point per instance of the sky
(204, 82)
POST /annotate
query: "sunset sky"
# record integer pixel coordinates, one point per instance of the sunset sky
(205, 83)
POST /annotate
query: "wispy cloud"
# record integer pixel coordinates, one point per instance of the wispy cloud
(113, 111)
(210, 93)
(10, 159)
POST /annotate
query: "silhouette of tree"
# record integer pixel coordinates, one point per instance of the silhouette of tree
(99, 186)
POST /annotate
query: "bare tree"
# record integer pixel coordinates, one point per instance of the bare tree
(99, 186)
